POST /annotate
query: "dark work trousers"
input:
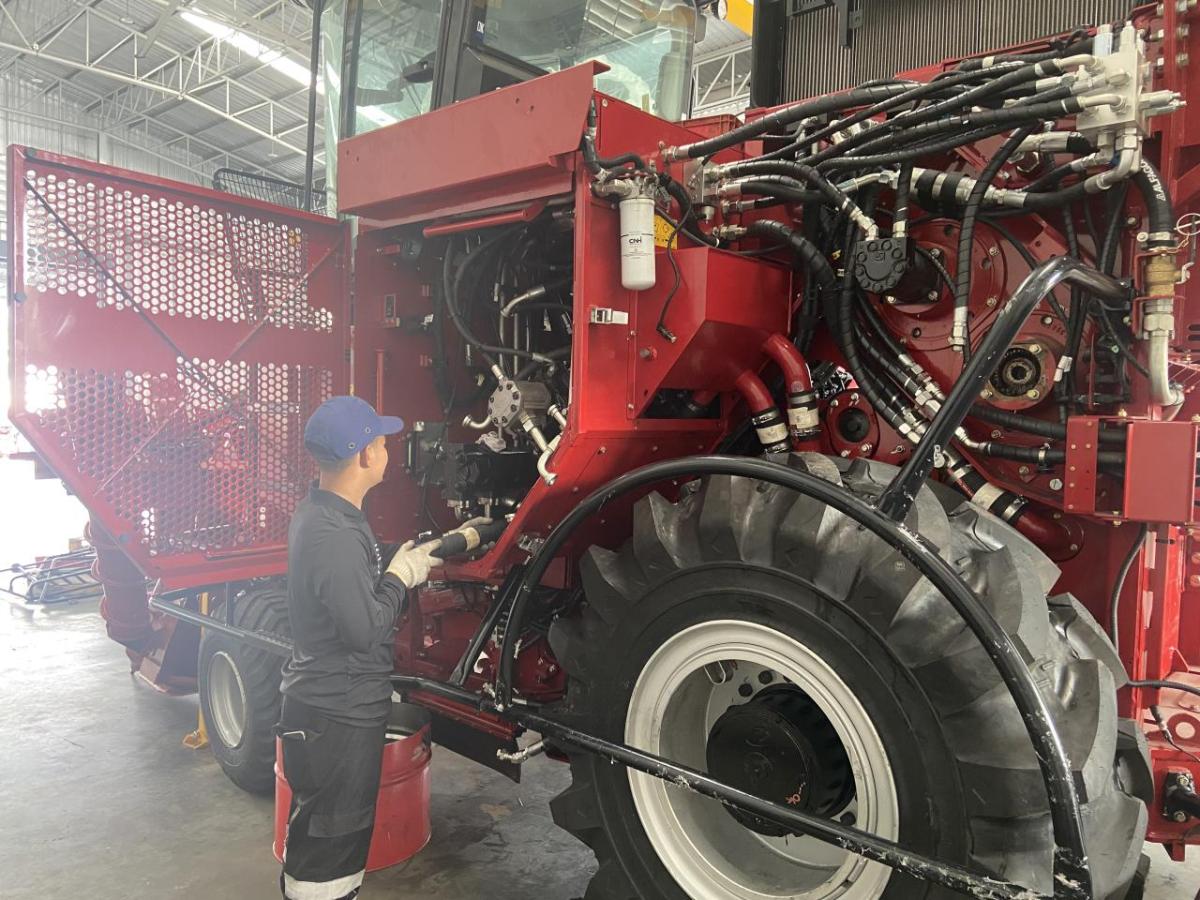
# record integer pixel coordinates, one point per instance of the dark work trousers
(333, 771)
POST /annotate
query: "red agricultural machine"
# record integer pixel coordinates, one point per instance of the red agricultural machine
(845, 454)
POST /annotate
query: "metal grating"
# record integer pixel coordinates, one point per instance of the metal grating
(907, 34)
(168, 345)
(269, 190)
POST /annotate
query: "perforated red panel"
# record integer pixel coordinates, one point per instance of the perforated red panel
(168, 344)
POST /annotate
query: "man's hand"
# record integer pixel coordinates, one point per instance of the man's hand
(411, 564)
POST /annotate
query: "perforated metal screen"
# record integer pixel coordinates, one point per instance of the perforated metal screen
(169, 343)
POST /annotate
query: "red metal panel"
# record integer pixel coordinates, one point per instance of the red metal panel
(1083, 445)
(168, 343)
(720, 322)
(525, 134)
(1160, 472)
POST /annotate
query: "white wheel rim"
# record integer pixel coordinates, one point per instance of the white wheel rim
(710, 855)
(226, 699)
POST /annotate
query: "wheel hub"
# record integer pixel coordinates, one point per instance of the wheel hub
(779, 746)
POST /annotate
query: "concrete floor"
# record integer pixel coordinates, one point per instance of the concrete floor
(99, 800)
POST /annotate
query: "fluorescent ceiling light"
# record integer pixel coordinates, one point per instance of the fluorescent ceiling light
(276, 59)
(251, 46)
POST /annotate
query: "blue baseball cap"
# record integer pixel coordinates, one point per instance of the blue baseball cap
(343, 426)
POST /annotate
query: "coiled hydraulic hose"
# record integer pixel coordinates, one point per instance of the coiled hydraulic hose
(961, 334)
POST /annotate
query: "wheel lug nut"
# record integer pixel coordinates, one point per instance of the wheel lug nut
(745, 690)
(766, 677)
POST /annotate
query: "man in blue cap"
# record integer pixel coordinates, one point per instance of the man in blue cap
(343, 605)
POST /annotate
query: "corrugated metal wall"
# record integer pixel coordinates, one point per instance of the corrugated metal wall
(906, 34)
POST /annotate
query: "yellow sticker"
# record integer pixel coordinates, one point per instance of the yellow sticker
(662, 231)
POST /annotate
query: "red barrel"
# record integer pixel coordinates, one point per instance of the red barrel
(402, 826)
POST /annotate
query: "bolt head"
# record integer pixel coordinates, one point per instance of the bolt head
(1194, 581)
(890, 300)
(1024, 470)
(1035, 349)
(993, 251)
(1033, 394)
(992, 302)
(1056, 484)
(1179, 815)
(1047, 320)
(865, 448)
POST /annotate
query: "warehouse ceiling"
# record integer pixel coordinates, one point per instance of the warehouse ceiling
(225, 80)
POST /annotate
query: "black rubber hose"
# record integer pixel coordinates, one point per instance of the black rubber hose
(913, 95)
(1159, 208)
(794, 113)
(1114, 602)
(1012, 116)
(966, 234)
(780, 189)
(689, 224)
(806, 251)
(598, 164)
(941, 117)
(802, 173)
(886, 160)
(903, 188)
(1049, 456)
(453, 290)
(1040, 427)
(898, 497)
(1070, 858)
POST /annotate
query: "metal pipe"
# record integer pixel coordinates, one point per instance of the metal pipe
(1070, 858)
(269, 642)
(827, 830)
(897, 499)
(310, 141)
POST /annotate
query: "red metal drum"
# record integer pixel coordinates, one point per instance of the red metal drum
(402, 826)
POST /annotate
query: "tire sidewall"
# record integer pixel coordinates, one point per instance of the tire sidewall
(931, 809)
(250, 764)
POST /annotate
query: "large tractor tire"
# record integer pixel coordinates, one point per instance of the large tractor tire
(771, 641)
(239, 690)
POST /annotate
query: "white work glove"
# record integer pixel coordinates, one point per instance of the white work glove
(411, 564)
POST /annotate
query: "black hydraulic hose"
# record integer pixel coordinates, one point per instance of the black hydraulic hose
(806, 251)
(1045, 455)
(453, 288)
(900, 209)
(1040, 427)
(1030, 260)
(1159, 208)
(941, 117)
(780, 189)
(689, 224)
(597, 164)
(966, 233)
(898, 498)
(1072, 876)
(1114, 602)
(886, 160)
(1011, 116)
(938, 266)
(794, 113)
(913, 95)
(838, 198)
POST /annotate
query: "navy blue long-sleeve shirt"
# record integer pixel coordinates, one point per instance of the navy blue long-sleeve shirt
(343, 612)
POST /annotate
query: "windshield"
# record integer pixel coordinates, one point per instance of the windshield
(646, 43)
